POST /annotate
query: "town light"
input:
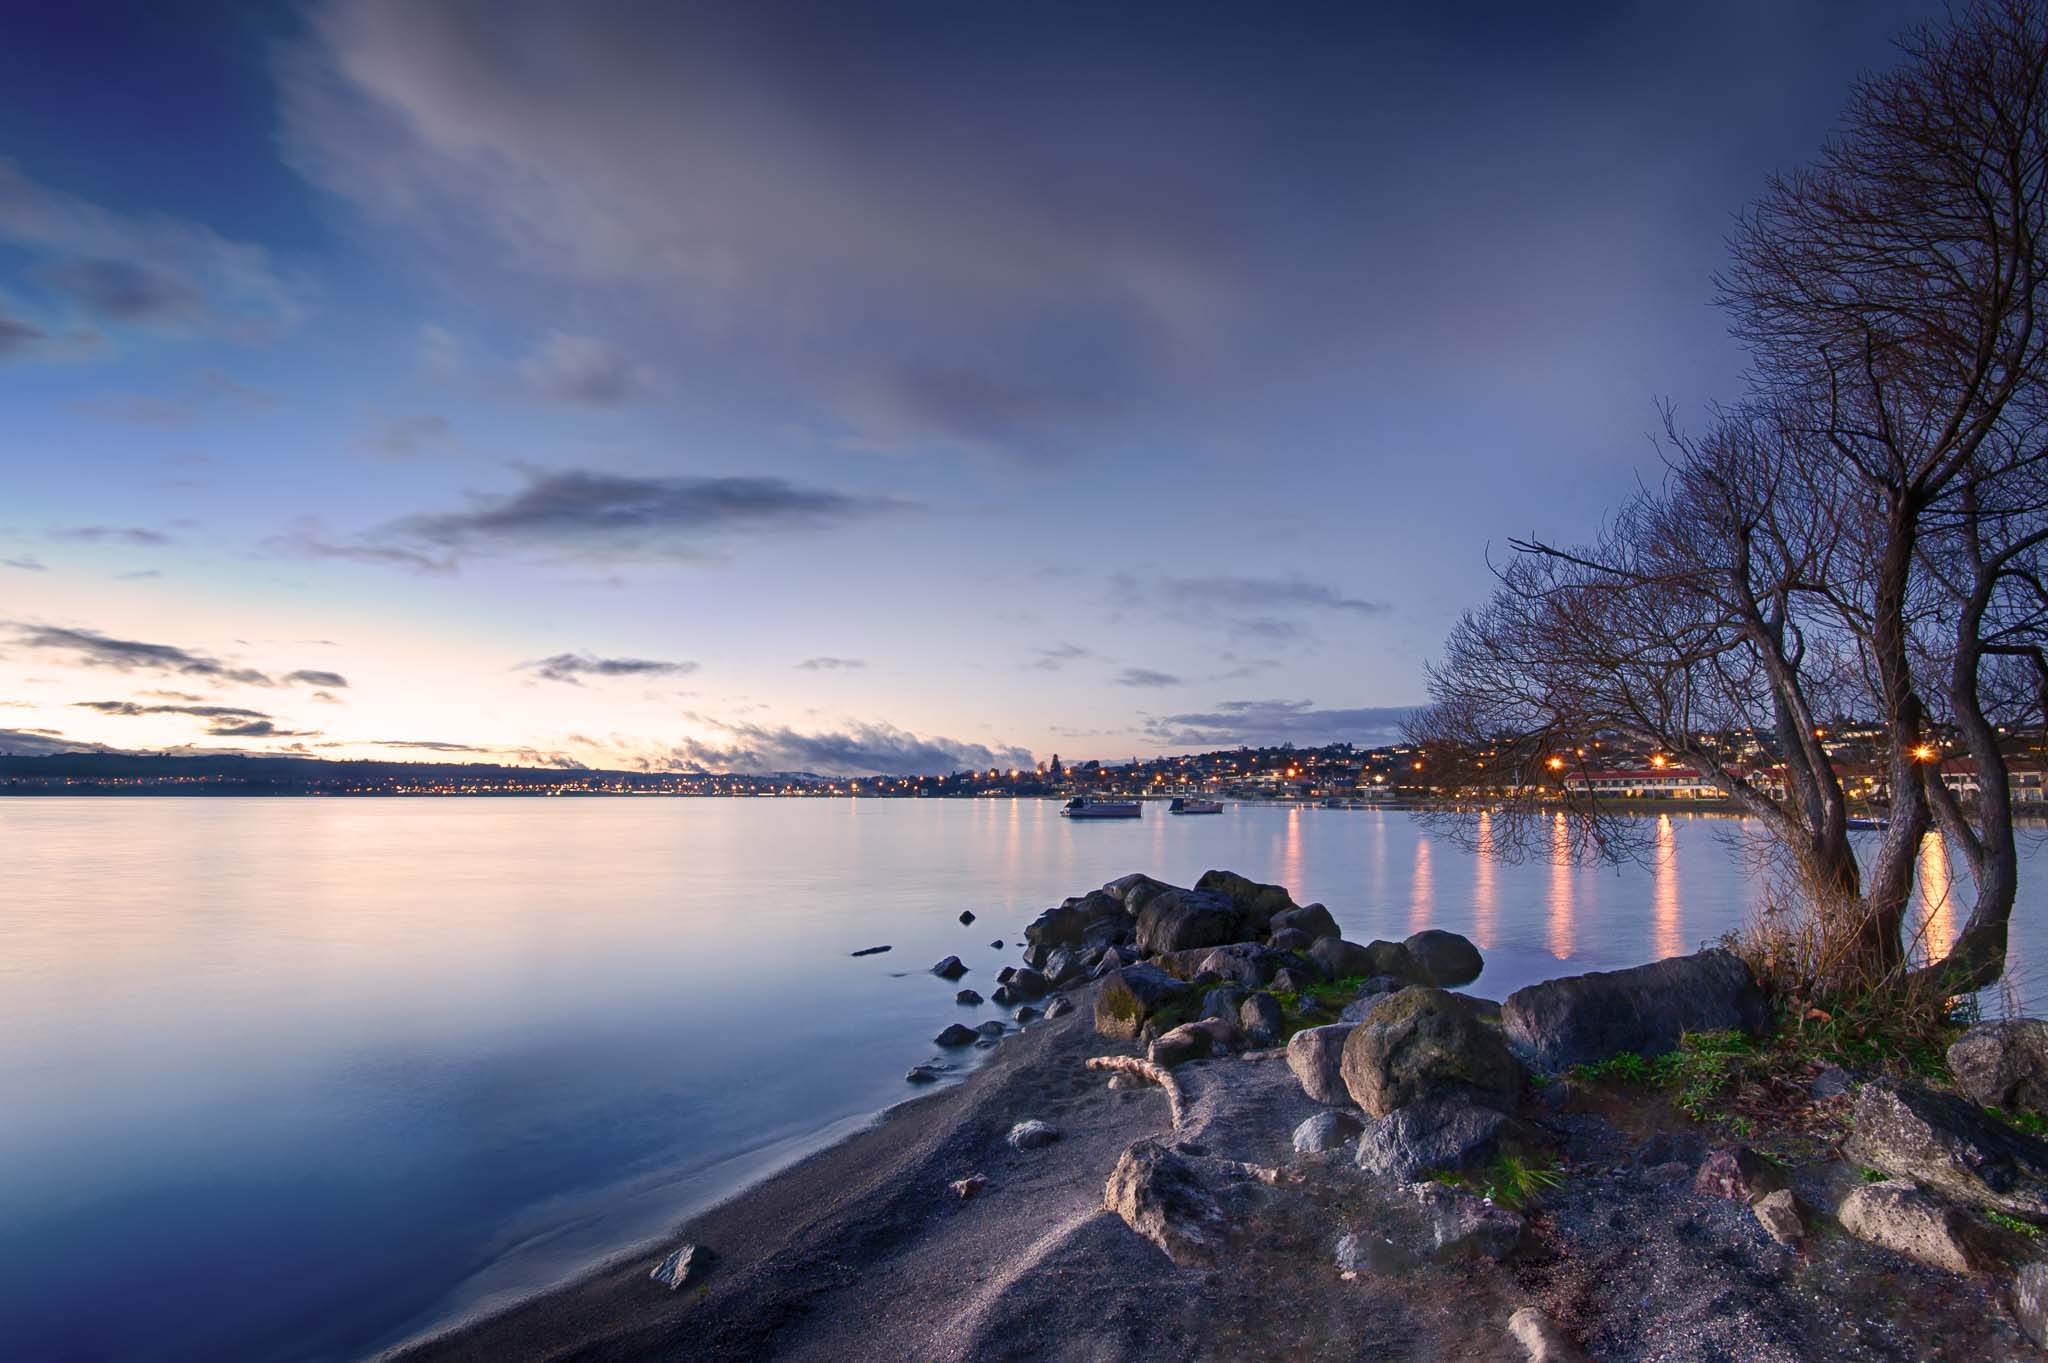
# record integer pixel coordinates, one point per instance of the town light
(1557, 764)
(1925, 752)
(1657, 760)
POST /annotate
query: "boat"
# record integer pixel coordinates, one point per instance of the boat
(1081, 807)
(1861, 821)
(1189, 804)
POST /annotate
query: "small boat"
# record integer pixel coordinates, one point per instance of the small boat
(1188, 804)
(1081, 807)
(1862, 821)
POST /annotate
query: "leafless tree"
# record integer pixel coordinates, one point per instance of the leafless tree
(1864, 533)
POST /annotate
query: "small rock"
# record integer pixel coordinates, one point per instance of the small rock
(2030, 1301)
(997, 944)
(1160, 1195)
(1059, 1008)
(1003, 975)
(1288, 980)
(966, 916)
(1027, 984)
(1738, 1173)
(922, 1074)
(1032, 1134)
(1832, 1082)
(1222, 1001)
(1261, 1019)
(870, 951)
(1540, 1337)
(1779, 1213)
(1027, 1014)
(993, 1027)
(949, 969)
(1184, 1043)
(955, 1035)
(1352, 1256)
(1676, 1171)
(1316, 1056)
(969, 1186)
(967, 996)
(1122, 1080)
(1325, 1131)
(678, 1268)
(1899, 1217)
(1431, 1133)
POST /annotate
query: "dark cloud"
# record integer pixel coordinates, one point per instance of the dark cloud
(423, 744)
(859, 750)
(42, 743)
(27, 563)
(589, 513)
(256, 728)
(1146, 677)
(915, 406)
(1263, 594)
(571, 667)
(403, 437)
(306, 542)
(123, 290)
(313, 676)
(139, 575)
(18, 337)
(90, 648)
(828, 664)
(116, 534)
(1270, 722)
(132, 709)
(580, 372)
(1058, 656)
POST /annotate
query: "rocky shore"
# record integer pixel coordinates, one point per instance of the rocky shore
(1226, 1132)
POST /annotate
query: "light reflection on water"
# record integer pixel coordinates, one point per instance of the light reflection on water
(336, 1069)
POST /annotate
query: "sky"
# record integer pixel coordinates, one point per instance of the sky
(838, 387)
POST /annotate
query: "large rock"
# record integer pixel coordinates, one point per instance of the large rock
(949, 969)
(1426, 1043)
(1313, 921)
(1180, 920)
(1581, 1019)
(2030, 1301)
(1066, 965)
(956, 1035)
(1339, 959)
(1948, 1145)
(1241, 963)
(1899, 1217)
(1120, 888)
(1067, 924)
(1256, 904)
(1261, 1019)
(1464, 1227)
(1316, 1055)
(1184, 1043)
(1129, 996)
(2003, 1064)
(1160, 1195)
(1434, 1133)
(1448, 959)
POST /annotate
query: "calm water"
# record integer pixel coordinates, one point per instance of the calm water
(296, 1079)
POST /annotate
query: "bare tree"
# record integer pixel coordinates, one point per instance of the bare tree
(1864, 533)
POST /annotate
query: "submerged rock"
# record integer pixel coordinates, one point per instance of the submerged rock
(870, 951)
(1427, 1135)
(966, 916)
(1325, 1131)
(949, 969)
(1445, 957)
(967, 996)
(922, 1074)
(1582, 1019)
(1316, 1056)
(1426, 1043)
(1899, 1217)
(2003, 1064)
(680, 1267)
(993, 1027)
(955, 1035)
(1159, 1194)
(1032, 1135)
(1948, 1145)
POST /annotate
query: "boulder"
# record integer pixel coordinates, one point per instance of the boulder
(1261, 1020)
(1338, 959)
(1541, 1339)
(1028, 984)
(1059, 1008)
(1066, 965)
(1290, 939)
(955, 1035)
(1430, 1134)
(949, 969)
(1120, 888)
(967, 996)
(1027, 1014)
(966, 916)
(1288, 980)
(1778, 1213)
(1447, 958)
(1159, 1194)
(1241, 963)
(993, 1027)
(1376, 988)
(684, 1265)
(1581, 1019)
(1106, 932)
(2030, 1301)
(1316, 1055)
(1899, 1217)
(1128, 996)
(1222, 1001)
(1180, 920)
(1739, 1173)
(2003, 1064)
(1464, 1227)
(1950, 1146)
(1832, 1082)
(1310, 920)
(1032, 1134)
(1325, 1131)
(1067, 924)
(1256, 904)
(1426, 1043)
(1184, 1043)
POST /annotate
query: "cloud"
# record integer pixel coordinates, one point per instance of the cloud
(580, 371)
(828, 664)
(27, 563)
(132, 709)
(18, 337)
(90, 648)
(858, 750)
(313, 676)
(1058, 656)
(156, 271)
(1146, 677)
(306, 541)
(1263, 594)
(582, 512)
(423, 744)
(403, 437)
(112, 534)
(42, 743)
(570, 667)
(991, 413)
(256, 728)
(1260, 723)
(139, 575)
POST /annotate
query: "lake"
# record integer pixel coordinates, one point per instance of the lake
(297, 1079)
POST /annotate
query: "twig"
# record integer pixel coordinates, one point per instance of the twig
(1158, 1074)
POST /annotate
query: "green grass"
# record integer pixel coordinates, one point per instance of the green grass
(2014, 1224)
(2033, 1123)
(1704, 1069)
(1512, 1181)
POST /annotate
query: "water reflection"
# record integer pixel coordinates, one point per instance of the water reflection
(1670, 941)
(1937, 898)
(1421, 890)
(1561, 935)
(1290, 850)
(1485, 904)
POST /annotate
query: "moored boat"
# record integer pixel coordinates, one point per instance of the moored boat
(1081, 807)
(1188, 804)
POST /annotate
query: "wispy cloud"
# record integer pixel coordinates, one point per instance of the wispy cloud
(1146, 677)
(1258, 594)
(256, 728)
(90, 648)
(573, 667)
(1058, 656)
(307, 541)
(133, 709)
(313, 676)
(27, 563)
(828, 664)
(580, 371)
(858, 750)
(406, 436)
(112, 534)
(1268, 722)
